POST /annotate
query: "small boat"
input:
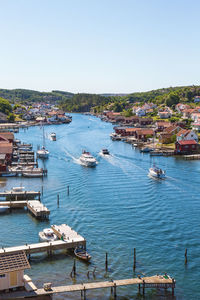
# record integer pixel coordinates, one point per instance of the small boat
(33, 174)
(18, 189)
(53, 136)
(156, 172)
(9, 174)
(135, 145)
(115, 137)
(82, 254)
(146, 150)
(43, 153)
(87, 159)
(47, 235)
(104, 152)
(3, 209)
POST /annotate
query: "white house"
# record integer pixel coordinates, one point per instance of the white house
(186, 135)
(164, 114)
(140, 112)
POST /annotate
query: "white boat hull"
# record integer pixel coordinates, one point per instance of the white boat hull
(43, 154)
(88, 163)
(154, 174)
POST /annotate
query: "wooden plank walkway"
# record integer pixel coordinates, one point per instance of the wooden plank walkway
(34, 206)
(38, 209)
(66, 233)
(44, 247)
(191, 157)
(157, 281)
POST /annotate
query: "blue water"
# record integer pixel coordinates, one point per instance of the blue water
(116, 207)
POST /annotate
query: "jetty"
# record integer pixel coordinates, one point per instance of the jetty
(19, 195)
(70, 240)
(35, 207)
(157, 281)
(191, 157)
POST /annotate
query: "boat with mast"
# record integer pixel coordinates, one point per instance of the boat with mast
(43, 152)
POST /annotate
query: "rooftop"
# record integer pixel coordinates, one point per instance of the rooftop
(13, 262)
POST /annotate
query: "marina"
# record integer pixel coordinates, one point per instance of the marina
(120, 179)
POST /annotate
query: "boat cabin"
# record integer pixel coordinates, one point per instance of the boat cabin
(12, 266)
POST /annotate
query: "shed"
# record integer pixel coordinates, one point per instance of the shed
(12, 266)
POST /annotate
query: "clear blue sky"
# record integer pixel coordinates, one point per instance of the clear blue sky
(99, 46)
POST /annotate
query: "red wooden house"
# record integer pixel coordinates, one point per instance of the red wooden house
(186, 147)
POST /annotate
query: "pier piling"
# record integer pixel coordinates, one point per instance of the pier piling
(58, 200)
(185, 256)
(134, 260)
(74, 267)
(115, 291)
(106, 262)
(68, 190)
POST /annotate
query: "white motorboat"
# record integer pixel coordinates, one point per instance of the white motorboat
(104, 152)
(115, 137)
(47, 235)
(43, 153)
(35, 172)
(156, 172)
(87, 159)
(53, 136)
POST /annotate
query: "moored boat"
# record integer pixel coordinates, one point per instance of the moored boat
(47, 235)
(115, 137)
(157, 172)
(82, 254)
(43, 153)
(146, 150)
(104, 152)
(87, 159)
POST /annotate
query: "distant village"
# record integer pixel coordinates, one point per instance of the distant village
(37, 113)
(177, 130)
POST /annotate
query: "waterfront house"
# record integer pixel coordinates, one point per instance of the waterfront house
(186, 147)
(144, 134)
(145, 121)
(12, 268)
(6, 148)
(186, 135)
(166, 136)
(162, 125)
(7, 136)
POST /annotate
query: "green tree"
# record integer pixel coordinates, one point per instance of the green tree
(11, 118)
(5, 106)
(172, 99)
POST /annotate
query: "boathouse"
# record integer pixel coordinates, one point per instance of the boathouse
(186, 147)
(12, 266)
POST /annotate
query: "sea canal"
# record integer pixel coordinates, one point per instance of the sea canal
(116, 207)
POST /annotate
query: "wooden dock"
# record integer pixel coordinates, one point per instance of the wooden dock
(23, 195)
(191, 157)
(158, 281)
(38, 209)
(44, 247)
(35, 207)
(66, 233)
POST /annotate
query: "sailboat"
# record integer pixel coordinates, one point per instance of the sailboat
(43, 152)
